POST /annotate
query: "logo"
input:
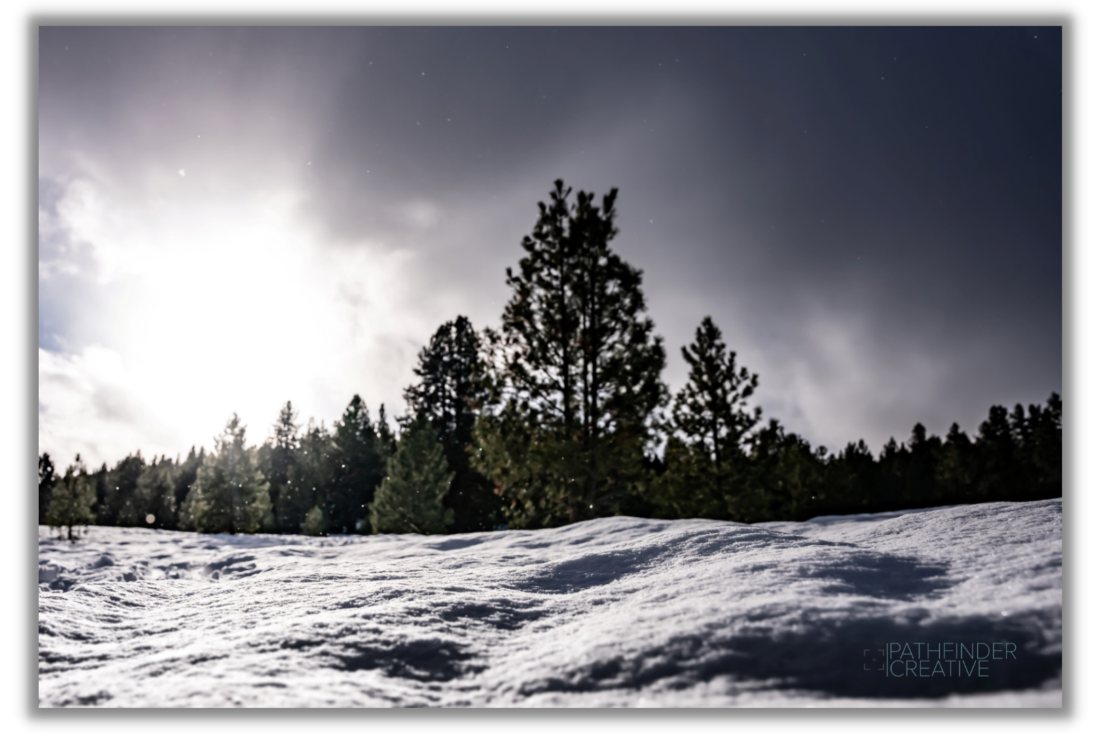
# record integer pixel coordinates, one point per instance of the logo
(937, 659)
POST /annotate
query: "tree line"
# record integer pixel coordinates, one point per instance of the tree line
(557, 416)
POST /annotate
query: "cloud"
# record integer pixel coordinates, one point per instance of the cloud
(86, 407)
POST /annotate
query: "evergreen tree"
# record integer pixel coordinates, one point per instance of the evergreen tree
(357, 466)
(155, 497)
(678, 492)
(315, 524)
(230, 493)
(953, 467)
(47, 479)
(410, 498)
(310, 476)
(277, 457)
(284, 443)
(710, 412)
(446, 394)
(99, 480)
(1045, 451)
(996, 455)
(184, 479)
(920, 474)
(851, 480)
(387, 440)
(574, 373)
(72, 501)
(118, 508)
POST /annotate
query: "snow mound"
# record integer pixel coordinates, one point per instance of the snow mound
(611, 612)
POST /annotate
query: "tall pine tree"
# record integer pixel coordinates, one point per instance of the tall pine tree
(710, 415)
(310, 476)
(277, 457)
(575, 372)
(446, 394)
(357, 466)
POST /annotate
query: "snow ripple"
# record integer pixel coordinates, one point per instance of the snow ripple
(615, 611)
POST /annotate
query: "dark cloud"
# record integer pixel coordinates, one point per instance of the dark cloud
(872, 215)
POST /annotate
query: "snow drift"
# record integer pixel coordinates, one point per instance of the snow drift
(616, 611)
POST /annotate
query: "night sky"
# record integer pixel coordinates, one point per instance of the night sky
(230, 218)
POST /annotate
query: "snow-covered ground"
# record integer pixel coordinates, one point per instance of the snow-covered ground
(611, 612)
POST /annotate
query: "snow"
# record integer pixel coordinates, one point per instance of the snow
(612, 612)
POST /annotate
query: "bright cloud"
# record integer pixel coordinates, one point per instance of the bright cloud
(216, 306)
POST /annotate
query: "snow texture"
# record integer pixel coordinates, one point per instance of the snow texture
(611, 612)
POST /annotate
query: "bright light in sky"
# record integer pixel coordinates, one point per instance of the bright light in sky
(217, 304)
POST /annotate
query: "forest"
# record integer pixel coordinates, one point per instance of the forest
(556, 416)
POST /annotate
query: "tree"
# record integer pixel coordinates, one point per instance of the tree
(315, 524)
(155, 498)
(310, 476)
(410, 498)
(117, 507)
(996, 453)
(357, 465)
(72, 501)
(711, 415)
(277, 457)
(230, 493)
(47, 479)
(785, 479)
(185, 478)
(1044, 452)
(953, 467)
(446, 394)
(280, 455)
(574, 374)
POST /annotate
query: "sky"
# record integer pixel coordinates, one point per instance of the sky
(230, 218)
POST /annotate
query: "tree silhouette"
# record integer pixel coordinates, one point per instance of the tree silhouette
(711, 415)
(574, 372)
(47, 479)
(445, 393)
(72, 501)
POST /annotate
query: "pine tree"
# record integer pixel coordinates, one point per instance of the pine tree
(155, 497)
(357, 466)
(953, 470)
(184, 480)
(410, 498)
(574, 373)
(446, 394)
(47, 479)
(230, 493)
(710, 414)
(277, 457)
(996, 453)
(387, 440)
(72, 501)
(118, 508)
(315, 524)
(310, 477)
